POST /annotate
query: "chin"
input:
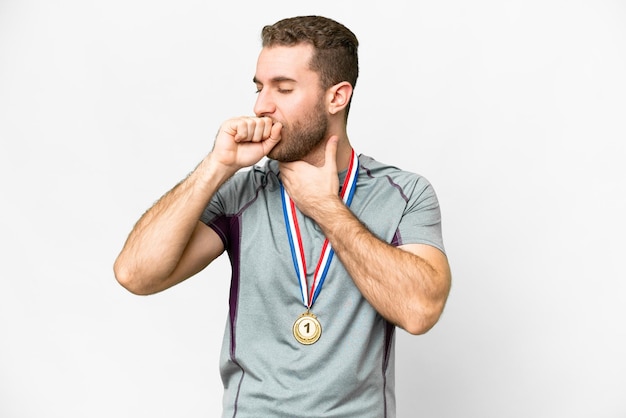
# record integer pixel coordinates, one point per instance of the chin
(296, 148)
(282, 158)
(279, 154)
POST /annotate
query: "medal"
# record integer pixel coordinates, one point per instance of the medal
(307, 329)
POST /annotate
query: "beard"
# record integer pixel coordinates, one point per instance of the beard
(301, 137)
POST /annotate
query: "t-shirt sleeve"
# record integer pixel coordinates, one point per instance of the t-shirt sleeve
(421, 220)
(226, 201)
(214, 210)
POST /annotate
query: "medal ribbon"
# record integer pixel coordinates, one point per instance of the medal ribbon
(295, 238)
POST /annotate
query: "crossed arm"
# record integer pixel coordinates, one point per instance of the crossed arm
(407, 285)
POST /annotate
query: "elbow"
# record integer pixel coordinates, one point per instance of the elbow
(128, 280)
(424, 311)
(422, 319)
(419, 326)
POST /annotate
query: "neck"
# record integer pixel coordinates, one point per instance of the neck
(344, 151)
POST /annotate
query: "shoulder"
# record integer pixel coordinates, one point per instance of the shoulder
(377, 169)
(407, 183)
(243, 189)
(260, 174)
(250, 181)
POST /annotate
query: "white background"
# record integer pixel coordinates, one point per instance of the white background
(514, 110)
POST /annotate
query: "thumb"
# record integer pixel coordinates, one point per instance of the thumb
(275, 131)
(331, 151)
(274, 137)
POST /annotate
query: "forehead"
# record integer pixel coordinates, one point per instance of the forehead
(285, 62)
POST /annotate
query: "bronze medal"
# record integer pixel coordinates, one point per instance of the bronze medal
(307, 329)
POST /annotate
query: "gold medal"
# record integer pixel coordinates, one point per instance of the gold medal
(307, 328)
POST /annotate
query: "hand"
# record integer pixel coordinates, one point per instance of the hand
(310, 187)
(242, 142)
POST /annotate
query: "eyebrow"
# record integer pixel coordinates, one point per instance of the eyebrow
(277, 79)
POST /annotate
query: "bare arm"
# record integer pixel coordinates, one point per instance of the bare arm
(407, 285)
(168, 244)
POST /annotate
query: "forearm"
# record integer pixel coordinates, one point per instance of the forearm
(403, 287)
(155, 245)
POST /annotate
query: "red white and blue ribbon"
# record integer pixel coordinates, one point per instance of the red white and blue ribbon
(309, 295)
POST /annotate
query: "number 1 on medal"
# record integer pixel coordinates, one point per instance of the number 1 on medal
(307, 329)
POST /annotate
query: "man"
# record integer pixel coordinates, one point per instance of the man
(330, 251)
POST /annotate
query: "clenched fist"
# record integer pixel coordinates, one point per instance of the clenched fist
(243, 141)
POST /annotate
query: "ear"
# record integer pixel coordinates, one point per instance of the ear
(338, 97)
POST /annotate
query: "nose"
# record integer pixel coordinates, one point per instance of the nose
(264, 105)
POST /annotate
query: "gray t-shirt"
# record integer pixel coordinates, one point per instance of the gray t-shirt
(349, 372)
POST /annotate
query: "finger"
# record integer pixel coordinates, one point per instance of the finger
(275, 131)
(267, 127)
(286, 166)
(330, 158)
(240, 127)
(229, 127)
(273, 138)
(286, 171)
(249, 129)
(258, 129)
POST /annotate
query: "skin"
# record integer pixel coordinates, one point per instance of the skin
(407, 285)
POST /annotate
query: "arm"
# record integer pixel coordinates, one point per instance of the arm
(169, 243)
(407, 285)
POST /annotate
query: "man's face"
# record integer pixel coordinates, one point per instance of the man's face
(289, 93)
